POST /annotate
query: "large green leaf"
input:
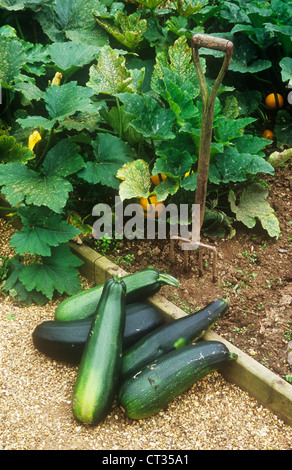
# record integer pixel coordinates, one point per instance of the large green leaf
(248, 101)
(110, 75)
(238, 64)
(80, 121)
(63, 159)
(36, 59)
(41, 230)
(279, 158)
(67, 19)
(15, 5)
(217, 224)
(283, 126)
(179, 93)
(12, 59)
(181, 142)
(286, 70)
(234, 166)
(16, 58)
(12, 151)
(152, 121)
(187, 8)
(190, 182)
(29, 90)
(253, 206)
(110, 154)
(168, 187)
(16, 289)
(68, 55)
(55, 272)
(127, 29)
(20, 183)
(50, 189)
(245, 57)
(151, 4)
(61, 102)
(283, 33)
(248, 143)
(234, 13)
(8, 31)
(178, 60)
(135, 178)
(258, 35)
(177, 163)
(120, 121)
(228, 129)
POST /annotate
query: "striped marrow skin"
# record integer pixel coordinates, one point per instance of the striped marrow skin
(171, 336)
(98, 373)
(158, 383)
(65, 341)
(139, 285)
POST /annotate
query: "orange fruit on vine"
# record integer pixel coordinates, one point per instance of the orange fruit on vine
(151, 206)
(267, 134)
(274, 101)
(158, 178)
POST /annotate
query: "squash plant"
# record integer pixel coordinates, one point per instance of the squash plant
(127, 107)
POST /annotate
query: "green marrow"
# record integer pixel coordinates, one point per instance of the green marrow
(98, 373)
(139, 285)
(171, 336)
(64, 341)
(158, 383)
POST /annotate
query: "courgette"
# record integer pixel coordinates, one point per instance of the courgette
(172, 335)
(65, 340)
(139, 286)
(98, 373)
(158, 383)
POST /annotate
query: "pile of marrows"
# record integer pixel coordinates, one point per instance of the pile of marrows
(126, 350)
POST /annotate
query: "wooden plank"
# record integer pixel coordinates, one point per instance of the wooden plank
(266, 387)
(104, 269)
(89, 258)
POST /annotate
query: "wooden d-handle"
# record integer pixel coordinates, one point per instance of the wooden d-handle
(212, 42)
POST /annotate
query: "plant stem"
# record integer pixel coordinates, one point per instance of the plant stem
(18, 27)
(100, 129)
(11, 209)
(120, 118)
(43, 155)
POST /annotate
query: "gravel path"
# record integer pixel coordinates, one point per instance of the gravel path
(35, 403)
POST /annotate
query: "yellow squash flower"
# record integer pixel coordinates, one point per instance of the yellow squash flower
(57, 79)
(33, 139)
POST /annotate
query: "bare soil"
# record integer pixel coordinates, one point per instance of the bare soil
(254, 276)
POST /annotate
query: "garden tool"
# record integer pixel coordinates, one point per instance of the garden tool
(208, 102)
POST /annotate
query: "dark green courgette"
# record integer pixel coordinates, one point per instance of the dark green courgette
(158, 383)
(139, 285)
(64, 341)
(171, 336)
(98, 373)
